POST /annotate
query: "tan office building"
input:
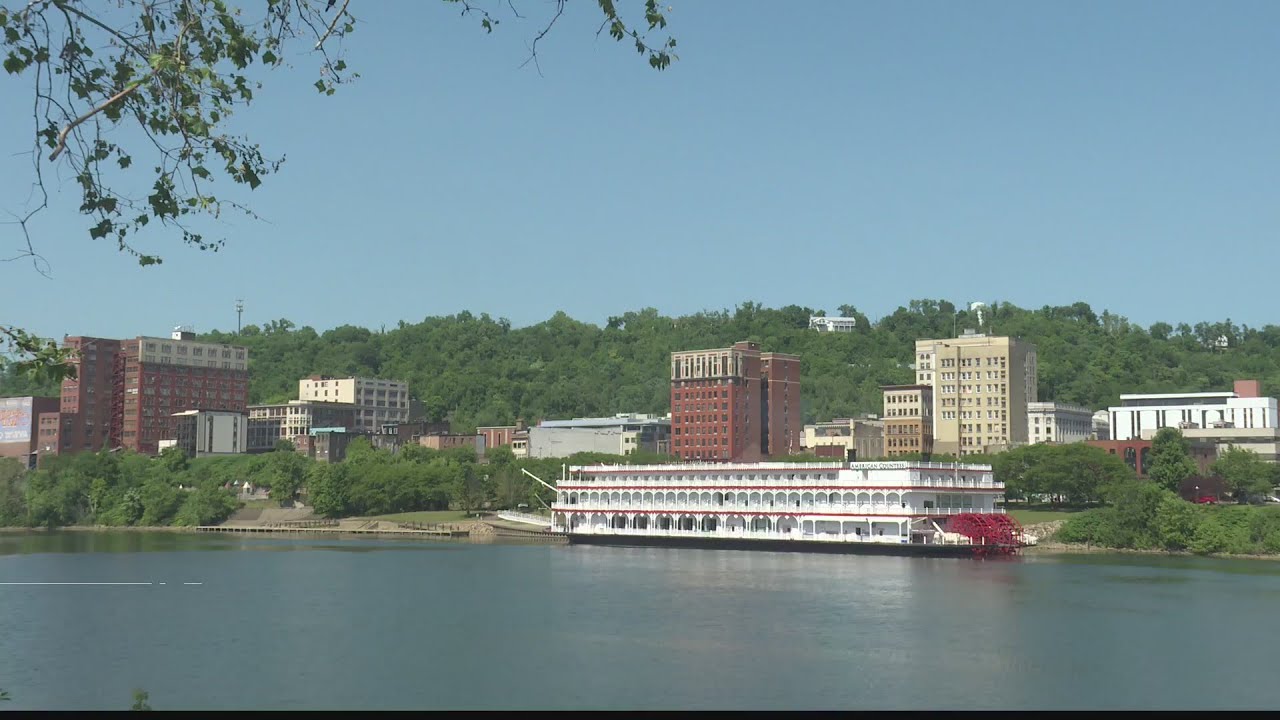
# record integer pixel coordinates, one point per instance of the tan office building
(908, 420)
(981, 388)
(377, 402)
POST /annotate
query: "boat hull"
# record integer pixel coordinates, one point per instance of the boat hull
(770, 545)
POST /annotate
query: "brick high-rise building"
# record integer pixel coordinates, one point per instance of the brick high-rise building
(126, 391)
(734, 404)
(157, 377)
(780, 413)
(84, 421)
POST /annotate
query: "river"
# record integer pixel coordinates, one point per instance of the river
(242, 622)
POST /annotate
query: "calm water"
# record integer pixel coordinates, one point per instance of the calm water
(325, 624)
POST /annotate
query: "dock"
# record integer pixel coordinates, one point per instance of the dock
(283, 529)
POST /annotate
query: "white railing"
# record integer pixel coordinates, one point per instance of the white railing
(690, 509)
(525, 518)
(836, 485)
(710, 467)
(735, 533)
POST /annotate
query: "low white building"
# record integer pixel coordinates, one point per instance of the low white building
(1140, 415)
(618, 435)
(1052, 422)
(201, 433)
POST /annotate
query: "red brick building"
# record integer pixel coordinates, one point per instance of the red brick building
(83, 421)
(1137, 453)
(780, 385)
(734, 404)
(126, 391)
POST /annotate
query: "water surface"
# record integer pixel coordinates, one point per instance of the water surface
(369, 624)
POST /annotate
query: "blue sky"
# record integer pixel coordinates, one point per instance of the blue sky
(819, 153)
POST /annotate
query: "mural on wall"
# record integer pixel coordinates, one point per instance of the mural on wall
(15, 420)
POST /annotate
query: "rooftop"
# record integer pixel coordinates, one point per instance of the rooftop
(636, 419)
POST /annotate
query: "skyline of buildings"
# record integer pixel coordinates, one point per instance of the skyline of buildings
(738, 403)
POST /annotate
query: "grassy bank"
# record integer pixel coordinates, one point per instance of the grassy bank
(1035, 515)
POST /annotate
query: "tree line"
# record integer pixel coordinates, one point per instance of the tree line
(477, 370)
(124, 489)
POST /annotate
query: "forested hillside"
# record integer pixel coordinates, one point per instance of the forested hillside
(481, 371)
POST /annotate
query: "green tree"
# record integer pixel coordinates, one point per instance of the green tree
(13, 506)
(1176, 523)
(328, 489)
(160, 501)
(141, 700)
(174, 460)
(284, 473)
(473, 491)
(1171, 461)
(1245, 473)
(207, 504)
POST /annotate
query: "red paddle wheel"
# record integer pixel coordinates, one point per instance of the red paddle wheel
(992, 533)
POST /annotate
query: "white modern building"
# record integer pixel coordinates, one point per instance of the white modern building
(621, 434)
(833, 324)
(1101, 425)
(202, 433)
(1139, 416)
(378, 402)
(1051, 422)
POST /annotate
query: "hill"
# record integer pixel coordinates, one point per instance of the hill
(482, 371)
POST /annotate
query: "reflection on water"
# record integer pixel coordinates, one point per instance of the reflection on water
(366, 624)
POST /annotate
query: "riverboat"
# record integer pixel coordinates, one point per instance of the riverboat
(874, 508)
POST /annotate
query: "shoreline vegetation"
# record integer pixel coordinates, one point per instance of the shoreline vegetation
(1046, 546)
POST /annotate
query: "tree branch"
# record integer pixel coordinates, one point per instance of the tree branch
(341, 11)
(533, 50)
(62, 136)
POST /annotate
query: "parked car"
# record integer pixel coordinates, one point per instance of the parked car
(1207, 500)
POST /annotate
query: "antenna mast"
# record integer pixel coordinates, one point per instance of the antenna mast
(239, 313)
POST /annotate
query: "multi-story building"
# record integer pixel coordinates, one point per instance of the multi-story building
(296, 418)
(157, 377)
(377, 402)
(846, 438)
(734, 404)
(86, 404)
(908, 421)
(1141, 415)
(781, 418)
(520, 443)
(500, 435)
(621, 434)
(203, 433)
(1052, 422)
(325, 444)
(395, 435)
(20, 429)
(126, 392)
(981, 387)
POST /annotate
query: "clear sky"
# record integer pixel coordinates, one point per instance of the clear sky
(1121, 153)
